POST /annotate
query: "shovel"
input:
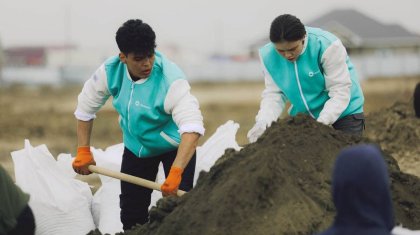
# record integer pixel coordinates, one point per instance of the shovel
(129, 178)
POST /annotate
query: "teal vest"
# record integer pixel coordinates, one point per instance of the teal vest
(147, 129)
(304, 78)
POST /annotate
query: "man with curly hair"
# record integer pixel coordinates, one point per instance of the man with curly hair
(159, 118)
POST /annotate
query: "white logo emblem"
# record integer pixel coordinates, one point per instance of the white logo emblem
(311, 74)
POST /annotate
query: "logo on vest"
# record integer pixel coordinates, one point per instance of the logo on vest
(311, 74)
(138, 103)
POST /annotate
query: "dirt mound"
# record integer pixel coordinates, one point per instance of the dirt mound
(397, 130)
(278, 185)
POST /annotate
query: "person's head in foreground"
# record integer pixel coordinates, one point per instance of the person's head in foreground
(361, 193)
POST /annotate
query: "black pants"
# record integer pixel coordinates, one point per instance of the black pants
(416, 100)
(25, 223)
(135, 200)
(352, 124)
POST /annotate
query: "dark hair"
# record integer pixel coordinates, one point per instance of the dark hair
(286, 28)
(417, 100)
(137, 37)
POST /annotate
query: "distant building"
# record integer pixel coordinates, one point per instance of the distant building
(36, 56)
(376, 49)
(33, 64)
(25, 56)
(48, 64)
(1, 63)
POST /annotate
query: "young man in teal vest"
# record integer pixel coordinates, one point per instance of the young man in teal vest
(159, 118)
(310, 68)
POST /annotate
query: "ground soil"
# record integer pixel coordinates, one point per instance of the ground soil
(278, 185)
(397, 130)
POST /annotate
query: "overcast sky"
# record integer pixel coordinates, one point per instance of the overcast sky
(193, 25)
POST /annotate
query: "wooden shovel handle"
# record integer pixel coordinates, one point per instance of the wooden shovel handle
(129, 178)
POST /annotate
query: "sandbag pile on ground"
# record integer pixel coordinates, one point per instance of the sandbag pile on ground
(105, 204)
(278, 185)
(61, 204)
(64, 205)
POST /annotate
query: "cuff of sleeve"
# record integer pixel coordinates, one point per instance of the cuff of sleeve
(263, 122)
(323, 120)
(176, 170)
(83, 149)
(191, 128)
(84, 116)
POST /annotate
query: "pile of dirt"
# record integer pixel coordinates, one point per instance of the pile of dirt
(278, 185)
(397, 130)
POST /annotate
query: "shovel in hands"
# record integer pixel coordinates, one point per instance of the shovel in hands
(129, 178)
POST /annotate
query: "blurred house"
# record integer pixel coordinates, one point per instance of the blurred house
(1, 63)
(32, 64)
(52, 65)
(376, 49)
(26, 56)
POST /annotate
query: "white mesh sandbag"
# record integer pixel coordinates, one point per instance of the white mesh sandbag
(61, 204)
(215, 146)
(399, 230)
(106, 207)
(160, 179)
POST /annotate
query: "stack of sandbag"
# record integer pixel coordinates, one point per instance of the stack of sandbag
(224, 138)
(61, 204)
(106, 207)
(64, 205)
(399, 230)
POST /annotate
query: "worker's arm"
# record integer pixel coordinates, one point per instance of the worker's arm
(84, 130)
(186, 149)
(93, 96)
(273, 100)
(185, 111)
(84, 157)
(337, 82)
(272, 105)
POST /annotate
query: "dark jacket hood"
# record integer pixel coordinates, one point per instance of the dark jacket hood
(361, 193)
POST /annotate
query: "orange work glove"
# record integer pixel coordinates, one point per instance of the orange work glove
(82, 160)
(170, 187)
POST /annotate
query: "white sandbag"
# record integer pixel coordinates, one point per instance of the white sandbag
(399, 230)
(106, 207)
(61, 204)
(215, 146)
(160, 179)
(64, 162)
